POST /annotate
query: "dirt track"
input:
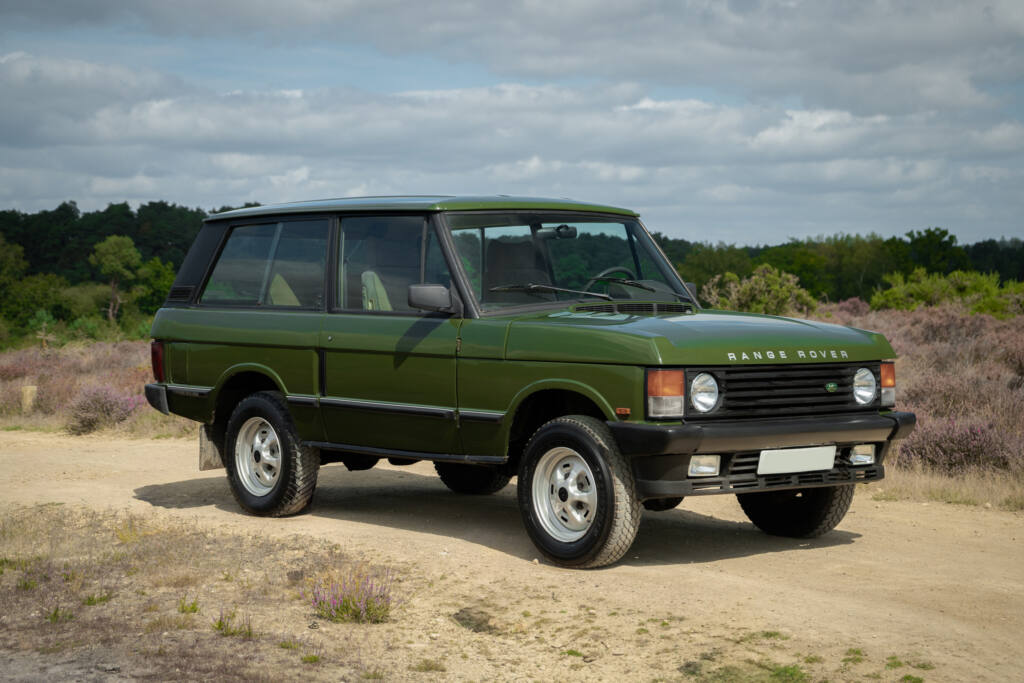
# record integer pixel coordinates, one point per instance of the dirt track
(931, 583)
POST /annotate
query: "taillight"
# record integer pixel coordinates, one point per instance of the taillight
(888, 373)
(665, 391)
(156, 354)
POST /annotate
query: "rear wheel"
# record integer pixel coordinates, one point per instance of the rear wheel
(471, 479)
(271, 473)
(798, 513)
(576, 493)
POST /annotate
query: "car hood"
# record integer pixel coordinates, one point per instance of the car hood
(702, 338)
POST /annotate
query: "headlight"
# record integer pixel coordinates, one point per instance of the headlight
(864, 386)
(704, 392)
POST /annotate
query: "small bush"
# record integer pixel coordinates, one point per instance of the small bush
(981, 293)
(768, 290)
(956, 446)
(853, 307)
(359, 596)
(98, 407)
(227, 626)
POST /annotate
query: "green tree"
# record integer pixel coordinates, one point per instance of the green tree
(117, 260)
(935, 250)
(704, 261)
(154, 281)
(42, 292)
(12, 265)
(767, 290)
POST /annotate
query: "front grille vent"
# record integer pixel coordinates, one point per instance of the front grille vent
(636, 308)
(784, 390)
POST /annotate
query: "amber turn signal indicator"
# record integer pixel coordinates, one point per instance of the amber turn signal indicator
(888, 375)
(665, 383)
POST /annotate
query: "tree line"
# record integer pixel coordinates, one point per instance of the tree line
(90, 273)
(841, 267)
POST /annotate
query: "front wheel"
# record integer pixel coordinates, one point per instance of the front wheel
(576, 493)
(271, 473)
(798, 513)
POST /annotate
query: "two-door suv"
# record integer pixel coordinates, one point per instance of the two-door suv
(504, 336)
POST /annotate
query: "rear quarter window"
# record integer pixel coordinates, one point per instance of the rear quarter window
(271, 264)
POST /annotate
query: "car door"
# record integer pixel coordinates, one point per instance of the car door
(388, 371)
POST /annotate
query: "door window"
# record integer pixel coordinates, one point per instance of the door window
(380, 256)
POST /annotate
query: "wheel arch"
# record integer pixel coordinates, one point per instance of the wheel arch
(544, 401)
(236, 383)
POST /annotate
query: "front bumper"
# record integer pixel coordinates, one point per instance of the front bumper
(661, 453)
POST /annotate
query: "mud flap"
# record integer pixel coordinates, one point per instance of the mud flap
(209, 454)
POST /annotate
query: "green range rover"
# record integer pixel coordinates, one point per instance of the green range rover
(507, 336)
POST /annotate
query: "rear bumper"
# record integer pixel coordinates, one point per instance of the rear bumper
(156, 394)
(661, 453)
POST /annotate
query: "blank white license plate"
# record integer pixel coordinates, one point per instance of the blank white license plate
(788, 460)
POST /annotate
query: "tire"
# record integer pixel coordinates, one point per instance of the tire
(798, 513)
(271, 473)
(471, 479)
(662, 504)
(577, 495)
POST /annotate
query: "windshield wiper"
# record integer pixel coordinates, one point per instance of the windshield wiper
(532, 287)
(624, 281)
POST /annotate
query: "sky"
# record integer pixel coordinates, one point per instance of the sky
(742, 122)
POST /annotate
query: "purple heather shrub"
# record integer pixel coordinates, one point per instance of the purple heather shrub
(853, 307)
(359, 596)
(98, 407)
(963, 375)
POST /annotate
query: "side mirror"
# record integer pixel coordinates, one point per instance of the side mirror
(430, 298)
(691, 287)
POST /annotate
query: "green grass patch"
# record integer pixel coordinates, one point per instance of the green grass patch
(186, 607)
(573, 653)
(791, 673)
(893, 662)
(58, 615)
(854, 656)
(228, 627)
(98, 599)
(428, 665)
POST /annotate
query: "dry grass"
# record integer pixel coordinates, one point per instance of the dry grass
(987, 489)
(65, 376)
(110, 586)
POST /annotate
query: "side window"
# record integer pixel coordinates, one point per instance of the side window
(273, 264)
(380, 256)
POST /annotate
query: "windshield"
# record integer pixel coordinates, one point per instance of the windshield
(516, 260)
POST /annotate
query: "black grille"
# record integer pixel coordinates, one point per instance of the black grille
(784, 390)
(637, 308)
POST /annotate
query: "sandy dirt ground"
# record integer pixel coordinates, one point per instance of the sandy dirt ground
(939, 585)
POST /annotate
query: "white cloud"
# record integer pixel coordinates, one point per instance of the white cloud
(697, 169)
(886, 56)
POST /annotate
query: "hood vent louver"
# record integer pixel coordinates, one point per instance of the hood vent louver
(636, 308)
(180, 294)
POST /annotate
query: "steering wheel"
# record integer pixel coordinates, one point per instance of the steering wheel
(608, 271)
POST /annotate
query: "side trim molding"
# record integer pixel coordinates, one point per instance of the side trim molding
(188, 390)
(398, 408)
(493, 416)
(299, 400)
